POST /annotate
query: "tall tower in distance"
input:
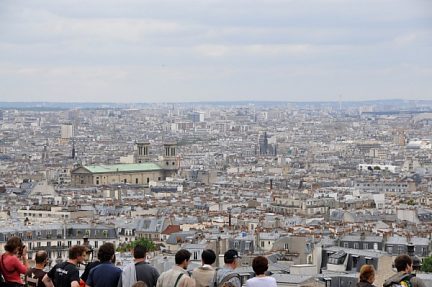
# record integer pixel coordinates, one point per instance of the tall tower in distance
(169, 162)
(141, 152)
(45, 151)
(73, 149)
(263, 144)
(67, 132)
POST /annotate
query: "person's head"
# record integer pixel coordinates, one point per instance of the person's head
(41, 257)
(208, 257)
(139, 251)
(403, 263)
(182, 258)
(14, 244)
(89, 252)
(259, 265)
(367, 273)
(106, 252)
(78, 253)
(139, 284)
(231, 258)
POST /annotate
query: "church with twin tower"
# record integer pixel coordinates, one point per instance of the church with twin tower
(143, 170)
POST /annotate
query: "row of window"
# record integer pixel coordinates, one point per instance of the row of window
(248, 244)
(376, 185)
(59, 244)
(390, 249)
(47, 214)
(49, 234)
(123, 181)
(357, 245)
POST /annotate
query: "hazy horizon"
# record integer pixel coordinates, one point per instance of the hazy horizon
(189, 51)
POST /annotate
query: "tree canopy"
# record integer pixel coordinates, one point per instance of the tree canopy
(147, 243)
(427, 264)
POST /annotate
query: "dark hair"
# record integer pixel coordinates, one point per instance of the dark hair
(106, 252)
(402, 262)
(13, 243)
(366, 273)
(76, 251)
(181, 256)
(139, 251)
(259, 265)
(208, 256)
(41, 256)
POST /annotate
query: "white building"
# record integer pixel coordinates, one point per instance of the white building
(67, 131)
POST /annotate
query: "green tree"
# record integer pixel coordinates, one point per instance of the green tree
(147, 243)
(411, 202)
(427, 264)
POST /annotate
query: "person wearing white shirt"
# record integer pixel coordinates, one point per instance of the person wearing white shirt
(260, 266)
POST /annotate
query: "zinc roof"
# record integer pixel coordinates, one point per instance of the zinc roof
(128, 167)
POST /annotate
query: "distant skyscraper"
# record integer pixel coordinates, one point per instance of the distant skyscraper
(263, 144)
(399, 137)
(67, 131)
(197, 117)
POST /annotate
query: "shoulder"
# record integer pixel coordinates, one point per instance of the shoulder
(417, 281)
(163, 274)
(92, 265)
(12, 259)
(68, 265)
(29, 272)
(224, 271)
(116, 269)
(72, 268)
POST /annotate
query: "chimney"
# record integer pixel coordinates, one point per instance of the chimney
(271, 184)
(362, 236)
(411, 252)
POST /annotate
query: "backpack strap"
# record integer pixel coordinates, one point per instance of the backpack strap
(228, 278)
(214, 282)
(178, 279)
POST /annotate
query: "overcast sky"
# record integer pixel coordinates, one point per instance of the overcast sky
(209, 50)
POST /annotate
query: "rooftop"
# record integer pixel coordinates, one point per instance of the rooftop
(147, 166)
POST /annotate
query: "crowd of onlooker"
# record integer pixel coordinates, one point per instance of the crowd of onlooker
(15, 270)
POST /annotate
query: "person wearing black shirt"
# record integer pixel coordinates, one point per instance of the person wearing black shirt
(33, 277)
(66, 274)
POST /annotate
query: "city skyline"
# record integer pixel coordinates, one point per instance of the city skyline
(320, 189)
(190, 51)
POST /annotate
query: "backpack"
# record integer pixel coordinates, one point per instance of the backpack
(224, 282)
(405, 282)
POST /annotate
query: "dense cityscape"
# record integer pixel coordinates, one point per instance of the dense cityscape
(319, 189)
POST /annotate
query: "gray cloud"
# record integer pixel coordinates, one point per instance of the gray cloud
(188, 50)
